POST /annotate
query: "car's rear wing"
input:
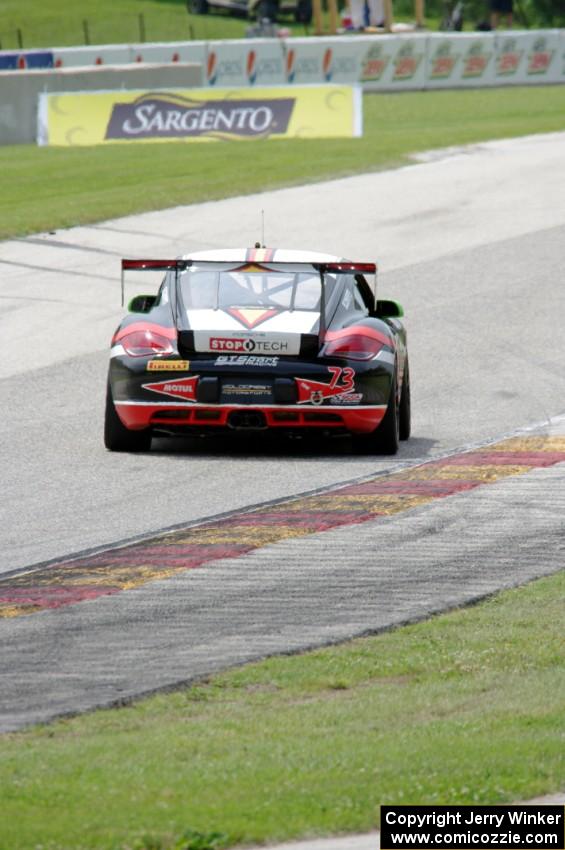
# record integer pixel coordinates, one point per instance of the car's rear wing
(322, 268)
(151, 266)
(179, 265)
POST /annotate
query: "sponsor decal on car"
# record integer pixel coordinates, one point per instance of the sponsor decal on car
(244, 360)
(238, 343)
(246, 389)
(316, 392)
(348, 398)
(168, 366)
(171, 115)
(183, 388)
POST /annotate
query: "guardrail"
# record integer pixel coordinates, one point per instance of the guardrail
(380, 62)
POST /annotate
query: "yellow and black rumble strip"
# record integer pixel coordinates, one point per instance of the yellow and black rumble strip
(166, 554)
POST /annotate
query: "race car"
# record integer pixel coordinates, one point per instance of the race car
(259, 339)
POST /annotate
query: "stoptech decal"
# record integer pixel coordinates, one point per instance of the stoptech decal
(168, 366)
(169, 116)
(316, 392)
(183, 388)
(239, 343)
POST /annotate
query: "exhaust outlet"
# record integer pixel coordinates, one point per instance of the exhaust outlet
(247, 420)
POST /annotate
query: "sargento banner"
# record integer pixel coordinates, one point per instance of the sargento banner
(200, 115)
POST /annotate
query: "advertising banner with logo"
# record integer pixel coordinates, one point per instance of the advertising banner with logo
(460, 60)
(395, 63)
(330, 60)
(180, 51)
(200, 115)
(531, 57)
(245, 63)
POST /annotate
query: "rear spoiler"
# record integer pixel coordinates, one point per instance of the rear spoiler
(152, 266)
(180, 265)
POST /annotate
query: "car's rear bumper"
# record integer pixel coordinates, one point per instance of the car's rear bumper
(137, 415)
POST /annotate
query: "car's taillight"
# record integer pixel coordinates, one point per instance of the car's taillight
(353, 347)
(145, 344)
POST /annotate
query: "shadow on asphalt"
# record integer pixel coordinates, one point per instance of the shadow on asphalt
(283, 446)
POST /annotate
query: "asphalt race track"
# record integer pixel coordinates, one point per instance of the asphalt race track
(473, 244)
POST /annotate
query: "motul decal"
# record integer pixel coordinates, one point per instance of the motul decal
(250, 317)
(316, 392)
(184, 388)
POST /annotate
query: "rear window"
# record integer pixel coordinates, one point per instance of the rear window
(203, 289)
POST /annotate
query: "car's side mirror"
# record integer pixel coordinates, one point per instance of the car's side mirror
(389, 310)
(142, 303)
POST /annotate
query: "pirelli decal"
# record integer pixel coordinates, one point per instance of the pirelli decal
(168, 366)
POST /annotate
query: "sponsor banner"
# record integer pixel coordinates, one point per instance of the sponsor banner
(399, 64)
(25, 60)
(242, 343)
(163, 53)
(455, 61)
(334, 60)
(199, 115)
(79, 57)
(531, 57)
(245, 63)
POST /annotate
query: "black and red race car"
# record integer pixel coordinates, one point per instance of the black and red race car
(257, 339)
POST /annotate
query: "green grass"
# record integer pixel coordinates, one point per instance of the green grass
(55, 23)
(465, 708)
(50, 188)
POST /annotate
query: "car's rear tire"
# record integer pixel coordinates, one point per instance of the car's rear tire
(384, 440)
(404, 410)
(118, 438)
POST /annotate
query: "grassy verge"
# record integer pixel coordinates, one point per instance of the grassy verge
(49, 188)
(56, 24)
(464, 708)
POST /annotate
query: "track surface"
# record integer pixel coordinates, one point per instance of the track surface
(474, 246)
(484, 312)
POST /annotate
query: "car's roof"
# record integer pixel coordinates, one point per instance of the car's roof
(279, 255)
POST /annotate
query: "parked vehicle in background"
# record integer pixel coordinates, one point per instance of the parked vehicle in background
(300, 10)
